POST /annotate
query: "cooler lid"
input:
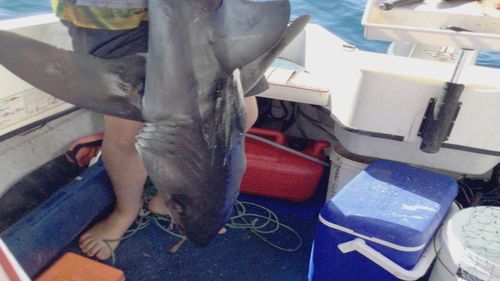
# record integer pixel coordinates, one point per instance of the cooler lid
(392, 202)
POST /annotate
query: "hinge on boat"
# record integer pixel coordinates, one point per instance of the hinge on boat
(428, 111)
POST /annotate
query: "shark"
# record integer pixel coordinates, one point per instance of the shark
(203, 56)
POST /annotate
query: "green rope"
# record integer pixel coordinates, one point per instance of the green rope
(256, 222)
(261, 225)
(261, 221)
(158, 219)
(140, 223)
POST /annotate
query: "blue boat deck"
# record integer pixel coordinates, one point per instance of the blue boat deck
(236, 255)
(53, 228)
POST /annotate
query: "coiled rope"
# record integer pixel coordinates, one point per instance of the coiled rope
(259, 220)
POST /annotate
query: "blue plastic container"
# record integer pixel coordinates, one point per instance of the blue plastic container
(394, 208)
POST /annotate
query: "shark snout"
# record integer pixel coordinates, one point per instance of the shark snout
(202, 239)
(202, 233)
(199, 224)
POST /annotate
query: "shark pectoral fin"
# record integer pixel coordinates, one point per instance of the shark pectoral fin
(252, 72)
(106, 86)
(244, 29)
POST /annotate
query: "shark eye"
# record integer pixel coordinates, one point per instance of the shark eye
(178, 207)
(180, 203)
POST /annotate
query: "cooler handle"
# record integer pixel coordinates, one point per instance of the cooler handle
(416, 272)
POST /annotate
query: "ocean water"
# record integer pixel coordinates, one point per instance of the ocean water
(19, 8)
(342, 17)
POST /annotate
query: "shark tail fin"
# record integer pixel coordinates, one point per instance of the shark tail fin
(245, 29)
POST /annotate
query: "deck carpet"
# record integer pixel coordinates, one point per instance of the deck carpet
(236, 255)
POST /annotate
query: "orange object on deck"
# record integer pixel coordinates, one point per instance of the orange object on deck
(273, 172)
(72, 267)
(82, 150)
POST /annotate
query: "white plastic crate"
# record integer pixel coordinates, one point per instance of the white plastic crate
(423, 23)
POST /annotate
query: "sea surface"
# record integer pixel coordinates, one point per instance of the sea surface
(342, 17)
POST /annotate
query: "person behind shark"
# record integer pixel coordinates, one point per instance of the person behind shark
(113, 29)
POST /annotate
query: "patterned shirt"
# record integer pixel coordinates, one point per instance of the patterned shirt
(102, 14)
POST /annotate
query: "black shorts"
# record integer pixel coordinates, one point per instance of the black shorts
(118, 43)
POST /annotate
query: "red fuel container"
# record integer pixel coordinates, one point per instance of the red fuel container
(277, 173)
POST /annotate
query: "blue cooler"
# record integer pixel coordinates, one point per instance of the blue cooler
(381, 222)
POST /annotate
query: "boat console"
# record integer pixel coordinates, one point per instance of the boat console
(396, 106)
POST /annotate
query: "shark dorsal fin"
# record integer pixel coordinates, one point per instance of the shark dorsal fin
(244, 30)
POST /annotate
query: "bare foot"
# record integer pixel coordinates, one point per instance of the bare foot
(157, 206)
(111, 230)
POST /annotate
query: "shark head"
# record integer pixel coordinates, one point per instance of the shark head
(198, 218)
(200, 212)
(200, 190)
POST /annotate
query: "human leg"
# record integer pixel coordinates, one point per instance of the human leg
(127, 174)
(120, 157)
(252, 111)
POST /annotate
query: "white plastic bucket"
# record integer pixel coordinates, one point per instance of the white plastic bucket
(470, 247)
(345, 166)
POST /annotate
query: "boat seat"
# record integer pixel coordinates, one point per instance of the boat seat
(297, 85)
